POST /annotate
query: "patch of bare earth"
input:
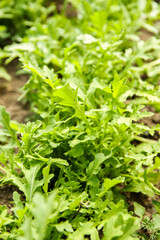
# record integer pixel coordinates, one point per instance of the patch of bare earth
(70, 11)
(6, 195)
(151, 121)
(10, 92)
(143, 200)
(145, 35)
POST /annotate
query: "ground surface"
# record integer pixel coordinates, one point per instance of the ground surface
(6, 193)
(10, 92)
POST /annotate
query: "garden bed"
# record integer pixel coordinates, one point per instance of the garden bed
(80, 152)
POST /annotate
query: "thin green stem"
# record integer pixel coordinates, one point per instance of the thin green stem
(145, 140)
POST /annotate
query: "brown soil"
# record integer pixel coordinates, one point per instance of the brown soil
(143, 200)
(6, 195)
(70, 11)
(145, 35)
(9, 93)
(151, 122)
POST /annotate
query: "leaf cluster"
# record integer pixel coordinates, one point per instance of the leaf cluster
(75, 160)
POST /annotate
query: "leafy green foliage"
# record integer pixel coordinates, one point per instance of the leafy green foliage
(74, 162)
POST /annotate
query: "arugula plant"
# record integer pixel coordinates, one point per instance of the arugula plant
(73, 164)
(94, 49)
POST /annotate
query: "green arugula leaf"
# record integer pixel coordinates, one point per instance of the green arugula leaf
(94, 166)
(109, 183)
